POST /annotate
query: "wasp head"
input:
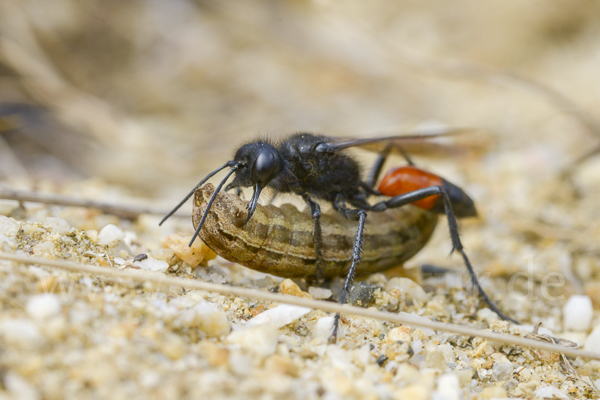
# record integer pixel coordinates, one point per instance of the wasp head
(260, 162)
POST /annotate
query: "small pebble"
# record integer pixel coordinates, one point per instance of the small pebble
(592, 342)
(319, 293)
(323, 329)
(57, 225)
(362, 294)
(399, 334)
(551, 392)
(240, 364)
(494, 393)
(434, 357)
(502, 371)
(289, 287)
(110, 235)
(407, 287)
(212, 320)
(487, 315)
(19, 387)
(279, 316)
(43, 306)
(8, 226)
(21, 333)
(577, 313)
(414, 392)
(92, 234)
(43, 247)
(193, 255)
(281, 365)
(151, 264)
(140, 257)
(448, 388)
(260, 340)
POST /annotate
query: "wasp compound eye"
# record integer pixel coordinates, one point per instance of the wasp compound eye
(264, 167)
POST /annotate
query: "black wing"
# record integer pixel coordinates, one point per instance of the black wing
(418, 142)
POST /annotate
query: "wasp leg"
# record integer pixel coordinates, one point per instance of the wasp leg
(377, 166)
(355, 214)
(238, 189)
(407, 198)
(381, 159)
(315, 211)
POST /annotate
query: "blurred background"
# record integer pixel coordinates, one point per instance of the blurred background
(152, 95)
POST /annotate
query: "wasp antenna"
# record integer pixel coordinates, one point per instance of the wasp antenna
(202, 182)
(234, 168)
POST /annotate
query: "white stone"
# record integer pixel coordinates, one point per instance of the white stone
(21, 333)
(43, 306)
(260, 340)
(150, 379)
(448, 388)
(577, 313)
(212, 320)
(551, 392)
(42, 248)
(8, 226)
(434, 357)
(399, 334)
(323, 329)
(110, 235)
(240, 364)
(119, 261)
(19, 388)
(502, 371)
(57, 225)
(6, 239)
(487, 315)
(151, 264)
(592, 342)
(318, 293)
(339, 358)
(417, 346)
(279, 316)
(409, 288)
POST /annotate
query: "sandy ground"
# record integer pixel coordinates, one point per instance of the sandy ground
(132, 103)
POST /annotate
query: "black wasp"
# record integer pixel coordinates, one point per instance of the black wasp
(316, 167)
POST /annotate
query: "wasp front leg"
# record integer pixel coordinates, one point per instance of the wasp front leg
(315, 212)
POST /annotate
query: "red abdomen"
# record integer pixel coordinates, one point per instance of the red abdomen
(407, 179)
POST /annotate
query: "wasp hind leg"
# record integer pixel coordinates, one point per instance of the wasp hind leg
(419, 194)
